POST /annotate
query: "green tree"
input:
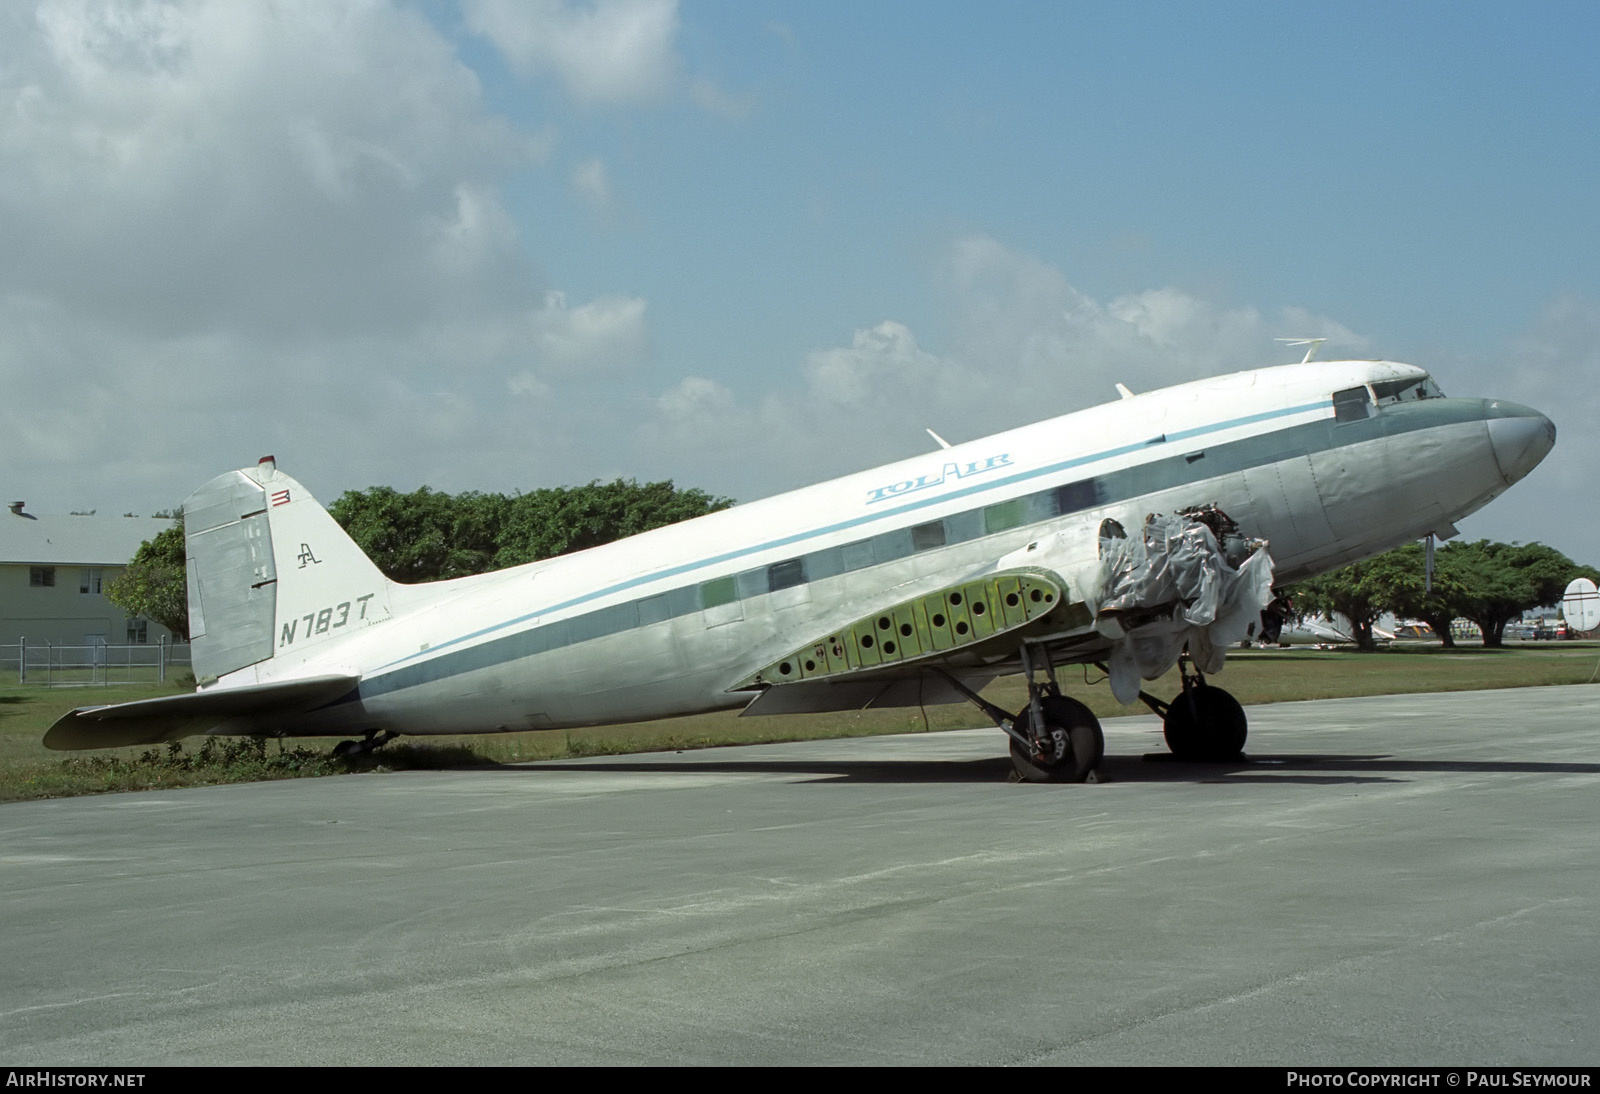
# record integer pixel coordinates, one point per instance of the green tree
(1486, 582)
(1407, 592)
(1500, 581)
(559, 521)
(1356, 592)
(154, 583)
(427, 535)
(424, 535)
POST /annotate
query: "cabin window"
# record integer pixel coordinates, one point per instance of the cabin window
(786, 574)
(42, 577)
(653, 609)
(717, 591)
(751, 583)
(612, 620)
(1040, 506)
(998, 518)
(1351, 405)
(827, 562)
(857, 556)
(1076, 495)
(892, 545)
(961, 527)
(683, 601)
(925, 537)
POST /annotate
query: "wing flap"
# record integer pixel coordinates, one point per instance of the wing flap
(925, 689)
(152, 721)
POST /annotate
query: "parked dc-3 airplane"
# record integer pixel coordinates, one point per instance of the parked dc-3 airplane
(1138, 534)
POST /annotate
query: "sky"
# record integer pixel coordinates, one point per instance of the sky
(508, 244)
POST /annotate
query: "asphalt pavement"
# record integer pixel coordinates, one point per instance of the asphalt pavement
(1383, 881)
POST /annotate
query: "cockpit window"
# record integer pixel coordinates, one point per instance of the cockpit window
(1405, 391)
(1351, 405)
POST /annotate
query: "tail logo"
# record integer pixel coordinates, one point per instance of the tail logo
(306, 557)
(280, 497)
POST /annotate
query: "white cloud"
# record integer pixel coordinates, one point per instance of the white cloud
(592, 183)
(608, 52)
(697, 402)
(604, 335)
(1019, 316)
(886, 356)
(237, 229)
(1025, 344)
(320, 154)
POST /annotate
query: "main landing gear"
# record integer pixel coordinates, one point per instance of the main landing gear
(1057, 739)
(1203, 723)
(349, 750)
(1053, 738)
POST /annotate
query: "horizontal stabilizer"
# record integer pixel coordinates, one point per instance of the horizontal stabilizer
(151, 721)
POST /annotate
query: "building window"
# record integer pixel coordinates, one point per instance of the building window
(138, 632)
(42, 577)
(89, 579)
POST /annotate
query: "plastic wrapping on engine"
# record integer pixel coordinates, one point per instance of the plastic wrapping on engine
(1172, 585)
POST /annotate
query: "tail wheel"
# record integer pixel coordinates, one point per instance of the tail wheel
(1073, 744)
(1205, 723)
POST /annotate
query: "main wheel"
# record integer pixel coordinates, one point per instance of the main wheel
(1073, 744)
(1205, 723)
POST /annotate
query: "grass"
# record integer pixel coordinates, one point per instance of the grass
(29, 770)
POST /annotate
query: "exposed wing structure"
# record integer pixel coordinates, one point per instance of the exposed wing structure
(927, 629)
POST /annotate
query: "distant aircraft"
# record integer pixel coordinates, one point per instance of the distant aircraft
(1311, 631)
(1133, 535)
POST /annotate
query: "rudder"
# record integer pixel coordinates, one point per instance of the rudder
(271, 574)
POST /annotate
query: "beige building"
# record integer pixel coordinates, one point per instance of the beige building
(52, 573)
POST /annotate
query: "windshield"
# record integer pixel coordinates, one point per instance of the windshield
(1405, 391)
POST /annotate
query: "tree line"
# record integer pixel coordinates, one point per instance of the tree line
(1489, 583)
(428, 535)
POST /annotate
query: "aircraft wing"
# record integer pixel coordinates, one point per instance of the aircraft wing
(1134, 601)
(900, 687)
(151, 721)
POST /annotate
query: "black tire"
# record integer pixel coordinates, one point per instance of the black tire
(1078, 744)
(1211, 730)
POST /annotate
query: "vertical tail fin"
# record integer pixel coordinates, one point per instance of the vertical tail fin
(271, 573)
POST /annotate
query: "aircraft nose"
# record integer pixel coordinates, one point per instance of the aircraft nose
(1520, 436)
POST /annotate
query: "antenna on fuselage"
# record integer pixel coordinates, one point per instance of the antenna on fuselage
(942, 442)
(1122, 390)
(1314, 343)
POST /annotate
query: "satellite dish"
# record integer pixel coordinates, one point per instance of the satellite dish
(1581, 605)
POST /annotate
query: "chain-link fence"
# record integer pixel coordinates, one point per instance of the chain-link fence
(57, 664)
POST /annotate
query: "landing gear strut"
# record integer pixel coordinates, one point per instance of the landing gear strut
(1053, 738)
(351, 749)
(1203, 722)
